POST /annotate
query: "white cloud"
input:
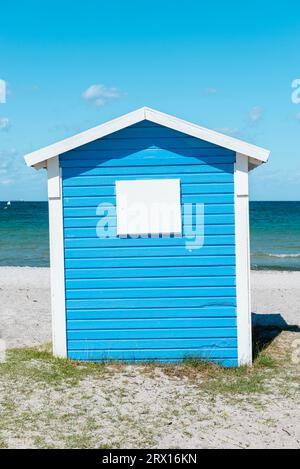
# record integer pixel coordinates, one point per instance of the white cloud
(256, 113)
(99, 102)
(278, 176)
(16, 177)
(9, 164)
(100, 94)
(72, 127)
(6, 182)
(8, 159)
(4, 123)
(211, 90)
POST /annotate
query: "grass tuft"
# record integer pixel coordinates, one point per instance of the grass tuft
(3, 445)
(215, 379)
(264, 360)
(40, 365)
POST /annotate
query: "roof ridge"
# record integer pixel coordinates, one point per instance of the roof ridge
(38, 157)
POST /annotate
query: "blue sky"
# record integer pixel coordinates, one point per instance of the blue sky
(224, 65)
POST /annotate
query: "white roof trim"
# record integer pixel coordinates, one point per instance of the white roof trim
(258, 155)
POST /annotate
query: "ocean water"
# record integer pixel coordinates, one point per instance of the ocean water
(275, 235)
(274, 232)
(24, 237)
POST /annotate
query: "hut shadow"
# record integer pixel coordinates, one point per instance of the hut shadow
(266, 327)
(175, 144)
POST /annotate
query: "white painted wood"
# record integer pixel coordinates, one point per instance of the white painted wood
(53, 178)
(42, 164)
(242, 168)
(57, 271)
(149, 206)
(244, 328)
(259, 155)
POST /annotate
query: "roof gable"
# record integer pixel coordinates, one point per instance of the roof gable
(38, 158)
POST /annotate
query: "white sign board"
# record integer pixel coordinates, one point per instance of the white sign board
(148, 207)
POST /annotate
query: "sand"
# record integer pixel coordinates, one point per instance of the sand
(131, 408)
(25, 317)
(276, 292)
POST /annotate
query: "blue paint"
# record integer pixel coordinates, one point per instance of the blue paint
(175, 262)
(149, 298)
(145, 313)
(160, 302)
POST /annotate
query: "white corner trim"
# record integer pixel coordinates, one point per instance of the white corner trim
(57, 268)
(53, 178)
(258, 155)
(244, 329)
(241, 175)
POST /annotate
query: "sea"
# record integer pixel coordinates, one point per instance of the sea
(274, 234)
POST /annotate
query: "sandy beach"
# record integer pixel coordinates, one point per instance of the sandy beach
(129, 406)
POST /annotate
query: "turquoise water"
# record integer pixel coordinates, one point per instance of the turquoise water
(275, 234)
(24, 238)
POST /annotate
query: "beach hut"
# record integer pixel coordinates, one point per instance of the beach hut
(149, 241)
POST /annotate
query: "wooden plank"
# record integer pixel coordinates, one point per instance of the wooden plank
(202, 332)
(206, 353)
(154, 165)
(186, 189)
(147, 328)
(111, 161)
(103, 181)
(216, 347)
(111, 200)
(157, 355)
(144, 313)
(57, 270)
(149, 132)
(88, 222)
(84, 232)
(151, 282)
(95, 168)
(151, 272)
(209, 209)
(243, 261)
(183, 261)
(176, 292)
(150, 252)
(140, 242)
(150, 302)
(176, 142)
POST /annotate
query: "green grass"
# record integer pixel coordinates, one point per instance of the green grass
(239, 380)
(41, 366)
(264, 360)
(232, 382)
(3, 445)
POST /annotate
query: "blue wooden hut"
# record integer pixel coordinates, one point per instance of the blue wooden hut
(129, 280)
